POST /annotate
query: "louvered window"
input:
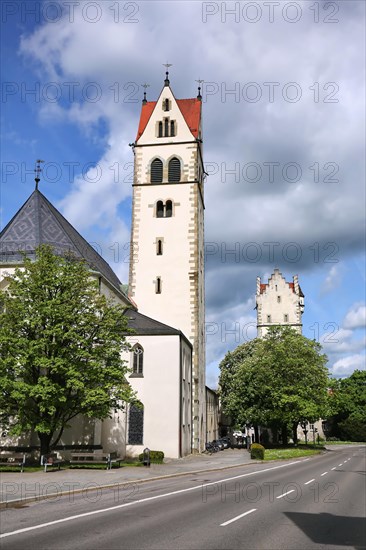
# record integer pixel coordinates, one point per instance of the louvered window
(168, 209)
(160, 134)
(160, 209)
(166, 127)
(172, 128)
(166, 104)
(156, 171)
(174, 170)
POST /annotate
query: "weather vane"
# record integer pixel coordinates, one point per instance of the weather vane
(38, 171)
(145, 86)
(200, 81)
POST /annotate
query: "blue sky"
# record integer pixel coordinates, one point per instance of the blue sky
(283, 112)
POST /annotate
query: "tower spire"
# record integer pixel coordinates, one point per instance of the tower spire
(167, 81)
(38, 171)
(144, 101)
(199, 89)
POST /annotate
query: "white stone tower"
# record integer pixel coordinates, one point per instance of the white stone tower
(166, 277)
(279, 303)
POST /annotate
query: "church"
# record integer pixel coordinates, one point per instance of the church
(165, 303)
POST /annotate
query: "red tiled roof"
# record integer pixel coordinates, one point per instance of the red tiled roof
(190, 109)
(263, 287)
(291, 285)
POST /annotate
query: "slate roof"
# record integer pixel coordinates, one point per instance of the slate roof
(39, 222)
(144, 325)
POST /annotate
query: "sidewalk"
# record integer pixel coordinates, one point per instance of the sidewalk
(18, 488)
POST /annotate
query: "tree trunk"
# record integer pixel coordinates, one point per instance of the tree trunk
(284, 435)
(294, 430)
(256, 434)
(45, 440)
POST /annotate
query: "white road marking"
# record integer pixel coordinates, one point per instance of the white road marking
(119, 506)
(288, 492)
(310, 481)
(238, 517)
(323, 474)
(334, 468)
(340, 464)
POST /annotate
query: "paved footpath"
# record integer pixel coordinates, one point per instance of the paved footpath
(17, 487)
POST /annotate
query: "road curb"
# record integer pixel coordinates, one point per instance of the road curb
(18, 503)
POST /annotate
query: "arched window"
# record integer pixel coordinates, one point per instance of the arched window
(168, 209)
(156, 175)
(136, 425)
(158, 285)
(160, 209)
(159, 248)
(172, 128)
(174, 170)
(166, 104)
(160, 134)
(166, 127)
(138, 360)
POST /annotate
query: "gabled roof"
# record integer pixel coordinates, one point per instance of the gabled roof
(39, 222)
(190, 109)
(146, 326)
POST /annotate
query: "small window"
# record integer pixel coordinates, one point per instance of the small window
(276, 288)
(279, 299)
(138, 360)
(172, 128)
(160, 130)
(166, 127)
(285, 318)
(158, 286)
(174, 170)
(159, 248)
(166, 105)
(156, 175)
(160, 209)
(168, 209)
(268, 318)
(136, 425)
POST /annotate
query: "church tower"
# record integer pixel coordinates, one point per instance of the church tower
(166, 279)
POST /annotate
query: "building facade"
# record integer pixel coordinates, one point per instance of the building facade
(166, 278)
(279, 302)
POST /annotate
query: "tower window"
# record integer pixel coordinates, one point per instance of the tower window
(174, 170)
(268, 318)
(166, 127)
(160, 209)
(160, 129)
(158, 285)
(166, 105)
(138, 360)
(168, 209)
(172, 128)
(279, 299)
(156, 175)
(159, 248)
(285, 318)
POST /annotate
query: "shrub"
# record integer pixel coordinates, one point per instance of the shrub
(333, 439)
(156, 457)
(257, 451)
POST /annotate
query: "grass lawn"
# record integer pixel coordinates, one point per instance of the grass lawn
(290, 452)
(345, 443)
(32, 469)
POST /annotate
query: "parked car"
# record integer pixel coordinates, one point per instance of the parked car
(219, 444)
(238, 433)
(226, 441)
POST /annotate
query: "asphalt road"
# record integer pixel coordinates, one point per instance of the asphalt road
(317, 502)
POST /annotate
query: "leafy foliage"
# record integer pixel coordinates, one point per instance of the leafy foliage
(278, 380)
(348, 403)
(257, 451)
(60, 348)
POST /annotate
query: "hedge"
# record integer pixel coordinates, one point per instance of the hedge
(156, 457)
(257, 451)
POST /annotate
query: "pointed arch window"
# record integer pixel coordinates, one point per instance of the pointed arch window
(137, 360)
(168, 209)
(166, 127)
(172, 128)
(160, 129)
(136, 424)
(156, 175)
(174, 170)
(166, 105)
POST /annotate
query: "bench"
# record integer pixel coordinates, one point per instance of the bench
(51, 460)
(13, 459)
(96, 457)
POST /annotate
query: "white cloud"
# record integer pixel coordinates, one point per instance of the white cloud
(347, 365)
(333, 279)
(356, 316)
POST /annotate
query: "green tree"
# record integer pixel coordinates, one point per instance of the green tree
(348, 403)
(281, 382)
(60, 348)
